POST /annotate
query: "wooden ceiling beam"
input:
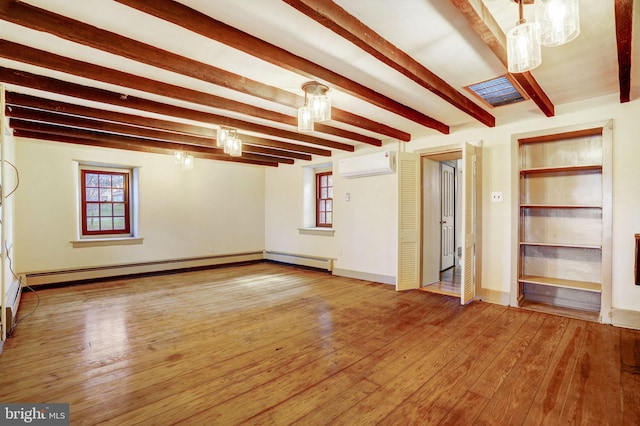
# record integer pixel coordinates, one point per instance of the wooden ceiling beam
(255, 140)
(34, 108)
(30, 16)
(48, 84)
(25, 130)
(61, 130)
(337, 19)
(295, 151)
(25, 54)
(486, 27)
(189, 141)
(209, 27)
(624, 32)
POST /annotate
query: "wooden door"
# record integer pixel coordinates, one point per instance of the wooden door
(467, 289)
(447, 206)
(408, 264)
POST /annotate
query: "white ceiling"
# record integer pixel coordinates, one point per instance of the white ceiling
(433, 32)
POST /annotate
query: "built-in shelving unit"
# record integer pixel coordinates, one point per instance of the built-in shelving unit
(564, 224)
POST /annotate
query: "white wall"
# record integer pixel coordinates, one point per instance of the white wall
(214, 209)
(365, 227)
(365, 238)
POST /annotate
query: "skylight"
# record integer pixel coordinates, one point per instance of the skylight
(497, 92)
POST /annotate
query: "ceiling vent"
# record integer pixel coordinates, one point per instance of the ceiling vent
(498, 91)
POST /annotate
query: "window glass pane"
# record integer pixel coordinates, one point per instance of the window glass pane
(323, 193)
(329, 180)
(118, 223)
(321, 206)
(93, 209)
(323, 180)
(117, 181)
(329, 218)
(105, 194)
(93, 224)
(329, 205)
(118, 209)
(106, 223)
(91, 179)
(322, 218)
(330, 194)
(118, 194)
(92, 194)
(106, 199)
(106, 209)
(105, 181)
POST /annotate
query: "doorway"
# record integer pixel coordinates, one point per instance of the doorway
(449, 217)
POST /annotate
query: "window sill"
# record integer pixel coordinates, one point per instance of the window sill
(316, 231)
(100, 242)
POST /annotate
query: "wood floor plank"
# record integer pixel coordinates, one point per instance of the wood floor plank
(630, 376)
(495, 374)
(512, 399)
(452, 383)
(551, 395)
(264, 343)
(466, 410)
(400, 379)
(595, 395)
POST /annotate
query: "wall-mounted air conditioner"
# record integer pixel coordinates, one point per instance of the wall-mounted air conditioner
(379, 163)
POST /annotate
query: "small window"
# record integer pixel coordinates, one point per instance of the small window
(106, 201)
(324, 199)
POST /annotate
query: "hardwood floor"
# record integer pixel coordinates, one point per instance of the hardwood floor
(270, 344)
(449, 284)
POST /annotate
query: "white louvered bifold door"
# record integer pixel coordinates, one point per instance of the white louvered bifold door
(408, 274)
(467, 289)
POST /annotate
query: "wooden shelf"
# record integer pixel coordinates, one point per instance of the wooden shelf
(560, 206)
(560, 169)
(559, 310)
(581, 246)
(557, 282)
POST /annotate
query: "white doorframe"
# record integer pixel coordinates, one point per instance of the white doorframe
(454, 152)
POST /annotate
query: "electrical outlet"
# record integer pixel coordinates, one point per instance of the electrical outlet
(496, 197)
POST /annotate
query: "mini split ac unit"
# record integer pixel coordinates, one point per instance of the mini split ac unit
(380, 163)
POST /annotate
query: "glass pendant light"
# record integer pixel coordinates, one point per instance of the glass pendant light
(317, 100)
(559, 21)
(178, 157)
(524, 51)
(305, 119)
(221, 137)
(317, 106)
(187, 162)
(235, 147)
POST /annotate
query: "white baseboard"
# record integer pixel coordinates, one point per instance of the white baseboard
(53, 277)
(625, 318)
(300, 259)
(493, 296)
(365, 276)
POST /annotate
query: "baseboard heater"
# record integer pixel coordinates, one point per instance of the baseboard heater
(301, 260)
(12, 303)
(53, 277)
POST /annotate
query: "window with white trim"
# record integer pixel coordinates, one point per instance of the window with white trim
(106, 202)
(316, 203)
(324, 200)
